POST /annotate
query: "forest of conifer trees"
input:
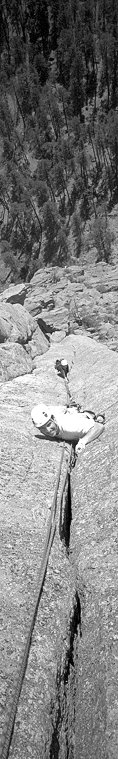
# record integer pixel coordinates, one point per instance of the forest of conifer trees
(58, 129)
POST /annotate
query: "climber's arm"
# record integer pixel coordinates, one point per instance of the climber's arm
(91, 435)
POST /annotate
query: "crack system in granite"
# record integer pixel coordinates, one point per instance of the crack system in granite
(62, 712)
(63, 716)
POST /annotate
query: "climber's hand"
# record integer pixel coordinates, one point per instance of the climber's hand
(80, 446)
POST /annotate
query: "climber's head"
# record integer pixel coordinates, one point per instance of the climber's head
(40, 415)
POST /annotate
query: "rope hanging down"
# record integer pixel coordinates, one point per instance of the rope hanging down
(63, 369)
(51, 528)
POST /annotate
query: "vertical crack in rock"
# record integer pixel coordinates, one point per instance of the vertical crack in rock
(62, 743)
(66, 515)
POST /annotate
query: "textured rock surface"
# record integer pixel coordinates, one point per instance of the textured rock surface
(19, 335)
(28, 474)
(77, 298)
(14, 294)
(94, 545)
(14, 361)
(15, 323)
(71, 299)
(68, 704)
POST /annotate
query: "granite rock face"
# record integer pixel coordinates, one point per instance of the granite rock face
(71, 300)
(69, 700)
(21, 340)
(76, 299)
(29, 467)
(15, 323)
(94, 544)
(14, 361)
(14, 294)
(50, 295)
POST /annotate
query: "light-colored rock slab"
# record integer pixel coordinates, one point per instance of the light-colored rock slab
(14, 294)
(76, 296)
(15, 323)
(20, 330)
(14, 361)
(94, 544)
(53, 320)
(29, 468)
(83, 712)
(38, 344)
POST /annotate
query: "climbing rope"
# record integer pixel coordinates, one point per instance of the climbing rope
(51, 529)
(63, 369)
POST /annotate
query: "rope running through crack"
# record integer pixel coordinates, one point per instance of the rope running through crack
(51, 529)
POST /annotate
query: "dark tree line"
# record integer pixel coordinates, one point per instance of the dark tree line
(58, 127)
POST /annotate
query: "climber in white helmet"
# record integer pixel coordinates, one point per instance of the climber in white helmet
(68, 423)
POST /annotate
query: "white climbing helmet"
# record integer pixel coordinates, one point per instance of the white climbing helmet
(40, 415)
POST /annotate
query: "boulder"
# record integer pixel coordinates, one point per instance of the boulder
(72, 297)
(37, 299)
(57, 336)
(50, 321)
(21, 331)
(14, 294)
(14, 361)
(15, 323)
(52, 288)
(38, 344)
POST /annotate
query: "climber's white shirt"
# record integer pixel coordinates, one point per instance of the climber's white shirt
(60, 421)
